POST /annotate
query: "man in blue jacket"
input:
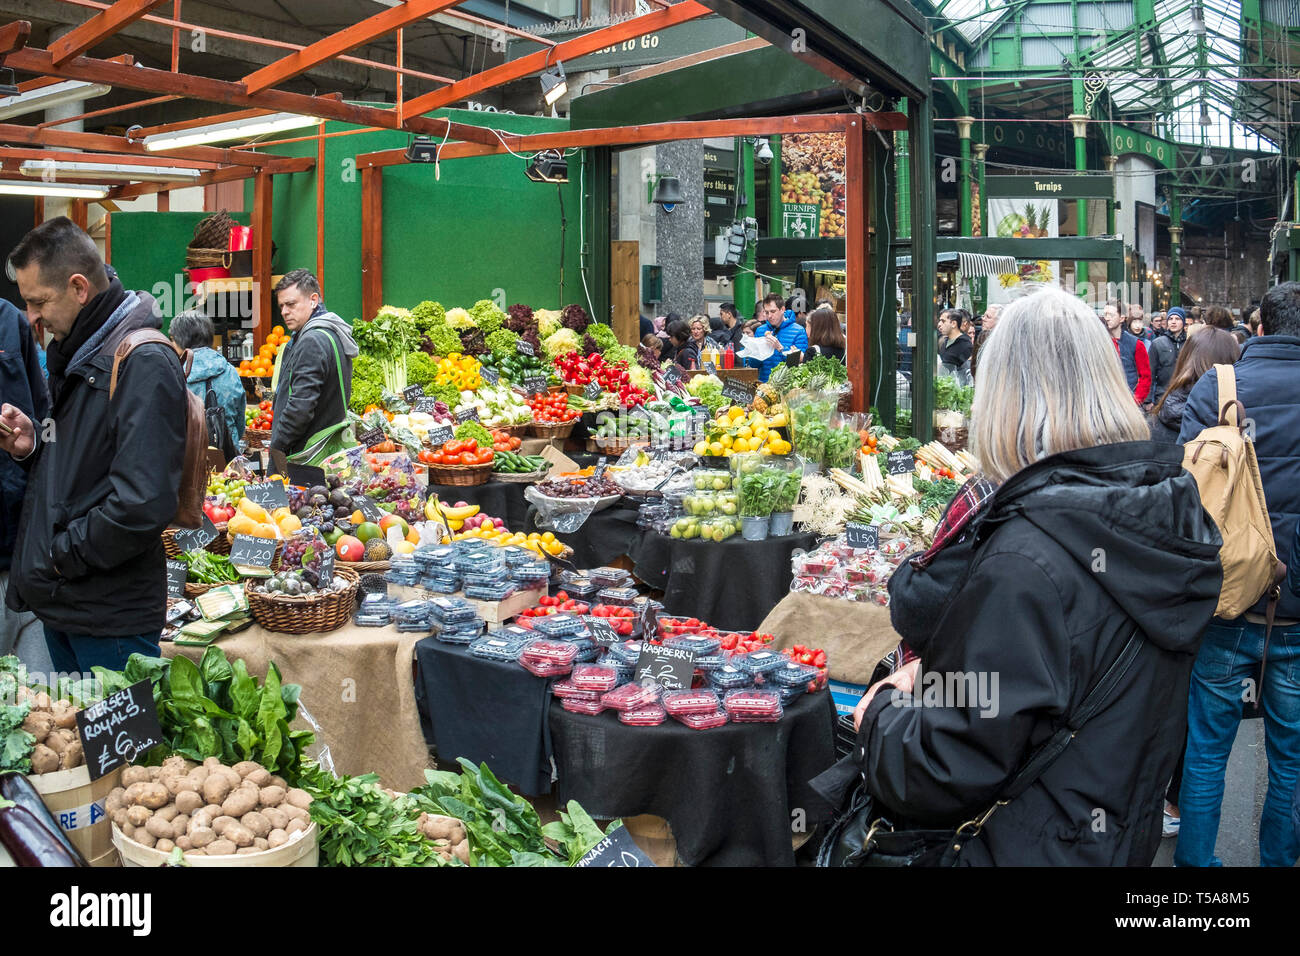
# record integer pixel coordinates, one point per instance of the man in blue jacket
(22, 384)
(782, 332)
(1268, 384)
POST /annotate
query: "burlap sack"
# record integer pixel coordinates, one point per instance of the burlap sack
(854, 636)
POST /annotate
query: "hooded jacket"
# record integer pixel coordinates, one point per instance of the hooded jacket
(1166, 423)
(211, 371)
(1268, 384)
(102, 485)
(22, 384)
(1069, 556)
(793, 338)
(1163, 355)
(313, 390)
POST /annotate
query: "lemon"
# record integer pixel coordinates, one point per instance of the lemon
(701, 448)
(766, 450)
(726, 441)
(745, 432)
(715, 449)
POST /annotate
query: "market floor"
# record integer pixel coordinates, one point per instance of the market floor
(1243, 798)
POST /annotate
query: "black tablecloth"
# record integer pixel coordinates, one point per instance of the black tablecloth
(730, 794)
(484, 710)
(603, 537)
(500, 499)
(730, 584)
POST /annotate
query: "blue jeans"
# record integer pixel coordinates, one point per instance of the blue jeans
(1227, 660)
(78, 653)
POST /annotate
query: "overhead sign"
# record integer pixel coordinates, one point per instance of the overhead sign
(705, 33)
(800, 220)
(1083, 186)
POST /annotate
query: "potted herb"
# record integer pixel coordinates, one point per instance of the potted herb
(758, 491)
(787, 493)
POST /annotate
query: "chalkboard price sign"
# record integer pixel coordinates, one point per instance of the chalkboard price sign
(710, 368)
(269, 494)
(426, 405)
(602, 632)
(673, 374)
(489, 374)
(602, 464)
(592, 391)
(251, 552)
(370, 438)
(525, 348)
(119, 729)
(617, 849)
(196, 539)
(900, 462)
(737, 392)
(326, 565)
(670, 667)
(862, 535)
(469, 414)
(176, 574)
(440, 435)
(535, 384)
(412, 392)
(306, 476)
(369, 510)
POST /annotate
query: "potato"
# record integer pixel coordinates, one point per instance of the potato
(238, 834)
(212, 762)
(184, 843)
(233, 778)
(187, 801)
(198, 775)
(261, 776)
(221, 823)
(115, 799)
(436, 827)
(42, 701)
(461, 851)
(134, 775)
(246, 850)
(181, 823)
(241, 801)
(132, 793)
(196, 853)
(175, 764)
(277, 837)
(44, 760)
(214, 809)
(260, 843)
(144, 837)
(298, 798)
(159, 827)
(39, 724)
(295, 813)
(192, 783)
(164, 845)
(201, 836)
(74, 756)
(118, 816)
(245, 767)
(168, 812)
(200, 818)
(276, 817)
(153, 796)
(295, 825)
(66, 719)
(271, 796)
(279, 782)
(127, 830)
(256, 822)
(216, 788)
(138, 816)
(60, 740)
(175, 784)
(221, 848)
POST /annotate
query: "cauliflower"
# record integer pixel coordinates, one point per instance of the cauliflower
(459, 319)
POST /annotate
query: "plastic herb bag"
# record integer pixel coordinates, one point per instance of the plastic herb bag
(561, 515)
(811, 414)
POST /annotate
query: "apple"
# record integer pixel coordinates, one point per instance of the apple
(498, 522)
(349, 548)
(461, 504)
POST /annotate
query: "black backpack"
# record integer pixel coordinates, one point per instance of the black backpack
(218, 431)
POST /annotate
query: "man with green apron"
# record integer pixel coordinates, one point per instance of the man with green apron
(313, 381)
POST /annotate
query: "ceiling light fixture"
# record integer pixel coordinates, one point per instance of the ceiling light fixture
(554, 84)
(1205, 115)
(1198, 20)
(231, 130)
(548, 166)
(421, 150)
(48, 169)
(63, 190)
(46, 97)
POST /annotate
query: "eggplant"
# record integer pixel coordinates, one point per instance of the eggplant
(16, 787)
(30, 842)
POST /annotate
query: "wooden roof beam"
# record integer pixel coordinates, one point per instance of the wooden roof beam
(13, 36)
(99, 143)
(102, 159)
(98, 28)
(336, 44)
(540, 60)
(224, 175)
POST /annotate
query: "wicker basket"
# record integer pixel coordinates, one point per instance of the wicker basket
(196, 258)
(308, 614)
(527, 478)
(221, 545)
(516, 431)
(256, 438)
(538, 430)
(213, 232)
(460, 475)
(363, 567)
(616, 446)
(575, 389)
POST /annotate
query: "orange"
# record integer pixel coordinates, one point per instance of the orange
(278, 330)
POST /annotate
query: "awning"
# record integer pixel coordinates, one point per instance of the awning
(978, 264)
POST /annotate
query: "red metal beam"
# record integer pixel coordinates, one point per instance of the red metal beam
(569, 49)
(99, 143)
(381, 24)
(99, 159)
(234, 94)
(224, 175)
(261, 221)
(121, 107)
(372, 241)
(857, 183)
(13, 36)
(99, 27)
(658, 133)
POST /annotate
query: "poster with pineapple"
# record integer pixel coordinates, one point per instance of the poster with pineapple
(1024, 219)
(812, 173)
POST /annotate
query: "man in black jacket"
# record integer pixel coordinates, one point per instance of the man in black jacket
(1164, 353)
(733, 329)
(104, 476)
(314, 382)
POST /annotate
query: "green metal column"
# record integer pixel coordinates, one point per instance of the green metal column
(920, 124)
(1080, 147)
(598, 167)
(902, 157)
(1109, 163)
(743, 286)
(964, 178)
(1175, 246)
(880, 285)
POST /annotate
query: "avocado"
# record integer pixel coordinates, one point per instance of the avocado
(340, 498)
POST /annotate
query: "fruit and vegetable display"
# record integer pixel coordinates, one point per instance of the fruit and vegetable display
(590, 487)
(836, 570)
(208, 808)
(296, 584)
(735, 430)
(812, 172)
(578, 369)
(203, 567)
(466, 451)
(552, 408)
(263, 366)
(38, 732)
(507, 462)
(259, 417)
